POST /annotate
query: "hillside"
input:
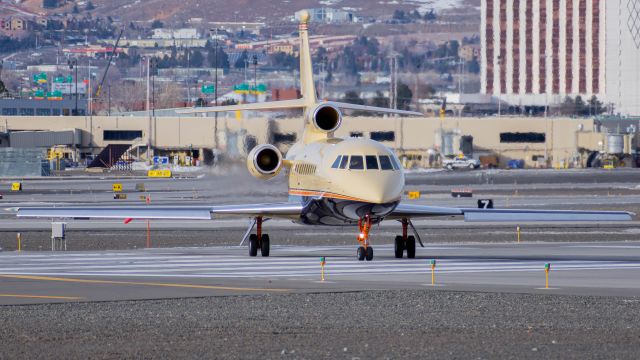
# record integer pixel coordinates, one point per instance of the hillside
(270, 11)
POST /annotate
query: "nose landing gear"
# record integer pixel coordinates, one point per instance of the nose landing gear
(365, 251)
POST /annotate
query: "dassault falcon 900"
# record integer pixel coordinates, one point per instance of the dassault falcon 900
(332, 181)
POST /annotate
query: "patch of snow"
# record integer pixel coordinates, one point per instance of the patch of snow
(426, 5)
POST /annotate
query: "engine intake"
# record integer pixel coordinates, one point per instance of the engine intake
(264, 161)
(327, 118)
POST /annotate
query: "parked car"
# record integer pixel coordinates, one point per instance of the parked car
(460, 162)
(515, 164)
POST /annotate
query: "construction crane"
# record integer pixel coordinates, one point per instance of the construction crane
(106, 70)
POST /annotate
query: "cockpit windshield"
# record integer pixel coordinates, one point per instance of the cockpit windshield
(372, 162)
(356, 163)
(385, 163)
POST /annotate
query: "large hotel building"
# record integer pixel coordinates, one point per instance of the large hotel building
(540, 51)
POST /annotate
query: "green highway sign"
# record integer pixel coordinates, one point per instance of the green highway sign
(208, 89)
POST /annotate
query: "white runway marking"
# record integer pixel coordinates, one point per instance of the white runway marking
(184, 264)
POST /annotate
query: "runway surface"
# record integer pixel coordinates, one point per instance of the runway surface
(603, 268)
(195, 293)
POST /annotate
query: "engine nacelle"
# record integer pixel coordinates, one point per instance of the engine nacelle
(264, 161)
(326, 118)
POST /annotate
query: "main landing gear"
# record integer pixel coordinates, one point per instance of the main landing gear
(365, 251)
(259, 240)
(404, 242)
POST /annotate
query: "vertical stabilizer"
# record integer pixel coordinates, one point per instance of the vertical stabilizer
(307, 86)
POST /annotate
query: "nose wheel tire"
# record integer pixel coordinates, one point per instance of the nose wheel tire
(365, 254)
(398, 247)
(368, 253)
(253, 245)
(264, 245)
(411, 247)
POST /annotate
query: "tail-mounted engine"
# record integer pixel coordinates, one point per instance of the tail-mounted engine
(326, 118)
(264, 161)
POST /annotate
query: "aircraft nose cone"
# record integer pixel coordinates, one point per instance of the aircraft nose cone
(386, 188)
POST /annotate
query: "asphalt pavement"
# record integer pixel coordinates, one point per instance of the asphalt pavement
(196, 293)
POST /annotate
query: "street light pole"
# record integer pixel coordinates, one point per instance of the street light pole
(255, 76)
(73, 65)
(500, 88)
(215, 86)
(148, 114)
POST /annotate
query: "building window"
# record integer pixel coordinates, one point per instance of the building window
(383, 135)
(121, 135)
(9, 111)
(55, 112)
(284, 138)
(529, 137)
(43, 112)
(27, 112)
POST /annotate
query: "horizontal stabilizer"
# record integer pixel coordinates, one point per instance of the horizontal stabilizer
(271, 105)
(374, 109)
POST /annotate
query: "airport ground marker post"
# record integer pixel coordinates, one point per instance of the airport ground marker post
(19, 238)
(547, 268)
(322, 264)
(148, 201)
(518, 231)
(433, 271)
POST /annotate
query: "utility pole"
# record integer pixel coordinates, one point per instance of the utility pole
(255, 76)
(500, 88)
(153, 65)
(148, 112)
(74, 64)
(188, 75)
(393, 90)
(215, 85)
(88, 91)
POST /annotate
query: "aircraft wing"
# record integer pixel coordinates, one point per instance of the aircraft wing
(273, 210)
(487, 215)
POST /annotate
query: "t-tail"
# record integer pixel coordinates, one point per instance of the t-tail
(323, 117)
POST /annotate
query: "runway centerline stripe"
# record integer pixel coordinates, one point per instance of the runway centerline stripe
(114, 282)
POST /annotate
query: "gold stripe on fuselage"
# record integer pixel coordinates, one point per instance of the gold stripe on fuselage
(312, 193)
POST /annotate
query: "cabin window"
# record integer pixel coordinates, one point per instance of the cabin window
(337, 162)
(372, 162)
(385, 162)
(357, 163)
(344, 162)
